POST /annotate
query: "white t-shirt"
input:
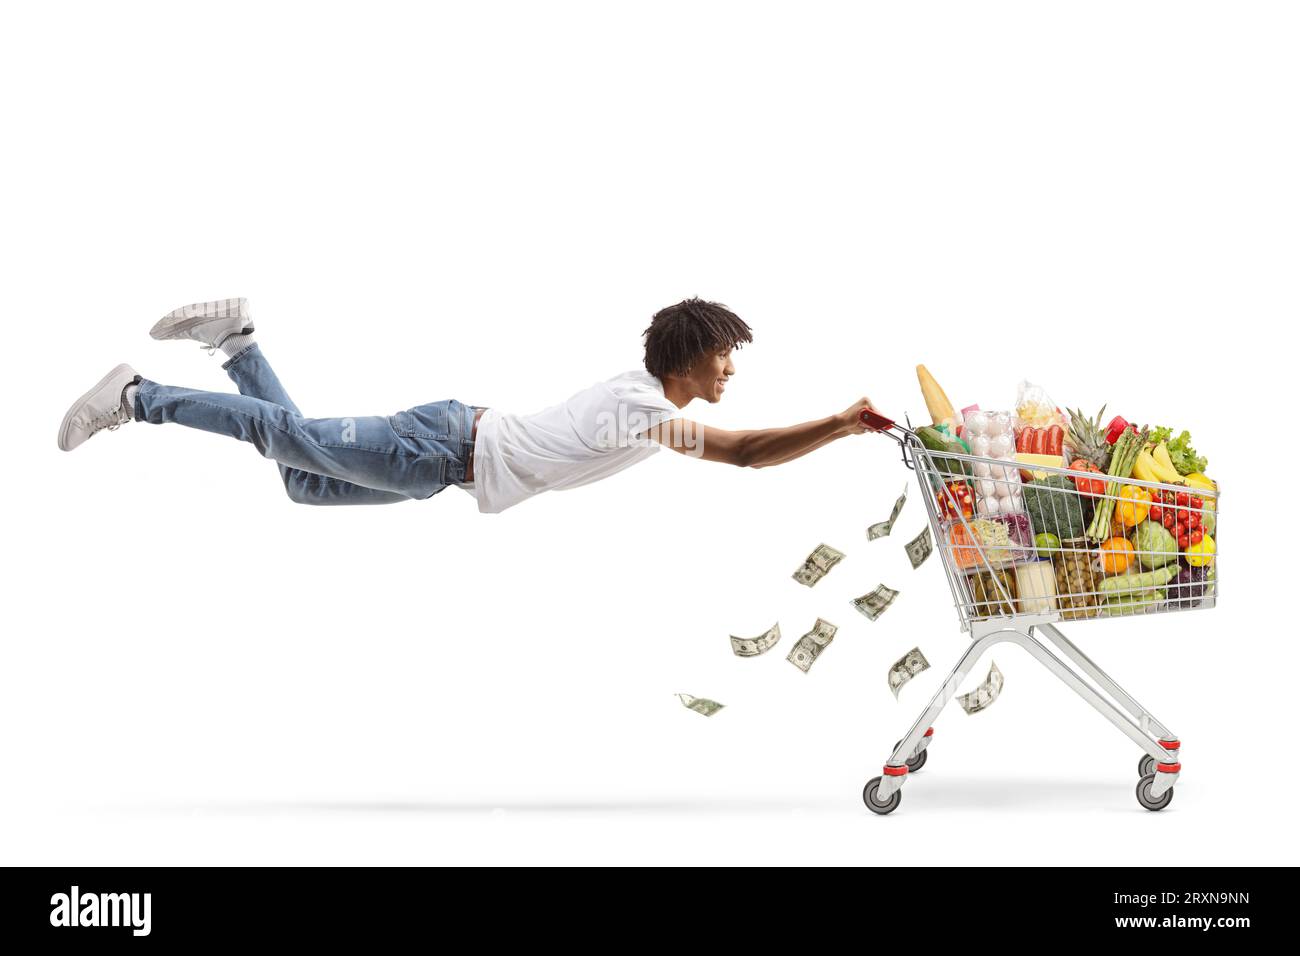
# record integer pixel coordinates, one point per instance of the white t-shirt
(594, 434)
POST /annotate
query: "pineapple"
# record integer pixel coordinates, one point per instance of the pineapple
(1088, 438)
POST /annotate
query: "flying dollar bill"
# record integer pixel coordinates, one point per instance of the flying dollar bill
(920, 548)
(882, 528)
(753, 646)
(815, 566)
(905, 668)
(875, 603)
(985, 694)
(701, 705)
(809, 647)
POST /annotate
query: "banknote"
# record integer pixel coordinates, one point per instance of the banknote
(920, 548)
(882, 528)
(753, 646)
(875, 603)
(809, 647)
(815, 566)
(701, 705)
(985, 694)
(905, 668)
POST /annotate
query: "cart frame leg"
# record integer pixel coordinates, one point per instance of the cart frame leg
(1167, 743)
(995, 633)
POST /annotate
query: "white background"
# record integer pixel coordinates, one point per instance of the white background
(489, 203)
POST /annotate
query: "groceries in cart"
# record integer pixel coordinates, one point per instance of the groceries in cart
(1044, 511)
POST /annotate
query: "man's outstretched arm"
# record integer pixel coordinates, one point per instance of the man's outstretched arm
(759, 448)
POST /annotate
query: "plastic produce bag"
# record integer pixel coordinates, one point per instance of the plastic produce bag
(1035, 408)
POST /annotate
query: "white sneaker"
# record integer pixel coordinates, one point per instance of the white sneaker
(208, 322)
(101, 407)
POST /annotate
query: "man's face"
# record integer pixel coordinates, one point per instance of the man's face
(708, 376)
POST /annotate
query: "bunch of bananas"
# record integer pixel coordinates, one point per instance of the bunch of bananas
(1156, 466)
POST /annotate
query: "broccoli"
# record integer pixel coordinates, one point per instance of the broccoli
(1054, 507)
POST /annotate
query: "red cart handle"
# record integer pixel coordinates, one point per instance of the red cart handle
(875, 421)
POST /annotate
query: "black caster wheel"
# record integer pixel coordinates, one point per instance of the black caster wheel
(1146, 765)
(1144, 794)
(917, 762)
(878, 806)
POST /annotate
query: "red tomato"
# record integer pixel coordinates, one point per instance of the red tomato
(1198, 504)
(1168, 519)
(1183, 498)
(1184, 542)
(1157, 514)
(1180, 530)
(1087, 486)
(1196, 536)
(1195, 520)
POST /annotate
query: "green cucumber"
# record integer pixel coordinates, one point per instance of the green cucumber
(1126, 584)
(937, 441)
(1122, 606)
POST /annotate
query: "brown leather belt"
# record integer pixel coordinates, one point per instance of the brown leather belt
(473, 433)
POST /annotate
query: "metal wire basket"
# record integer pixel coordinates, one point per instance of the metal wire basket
(1021, 539)
(1024, 551)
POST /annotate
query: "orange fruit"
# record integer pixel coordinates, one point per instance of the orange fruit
(1116, 555)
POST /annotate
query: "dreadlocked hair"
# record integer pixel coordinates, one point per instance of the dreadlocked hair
(681, 333)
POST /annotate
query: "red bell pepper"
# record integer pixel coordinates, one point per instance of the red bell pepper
(1116, 428)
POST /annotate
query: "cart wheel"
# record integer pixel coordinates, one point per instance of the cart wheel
(876, 806)
(1144, 794)
(917, 762)
(1146, 765)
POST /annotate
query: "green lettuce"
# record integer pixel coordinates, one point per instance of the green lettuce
(1181, 452)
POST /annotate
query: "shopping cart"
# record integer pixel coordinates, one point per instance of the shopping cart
(1012, 584)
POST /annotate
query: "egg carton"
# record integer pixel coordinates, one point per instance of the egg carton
(992, 435)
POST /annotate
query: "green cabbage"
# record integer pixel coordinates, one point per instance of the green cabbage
(1151, 537)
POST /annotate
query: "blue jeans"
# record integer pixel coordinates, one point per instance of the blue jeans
(367, 460)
